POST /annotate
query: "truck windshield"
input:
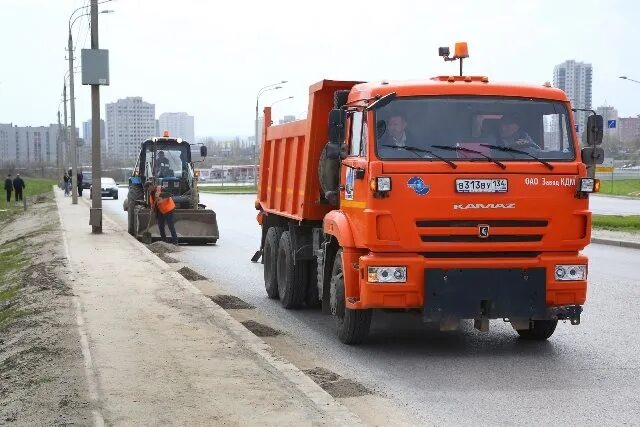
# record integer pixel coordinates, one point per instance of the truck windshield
(490, 126)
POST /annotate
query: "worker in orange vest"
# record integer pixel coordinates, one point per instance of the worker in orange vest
(163, 205)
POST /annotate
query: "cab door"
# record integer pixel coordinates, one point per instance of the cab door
(353, 180)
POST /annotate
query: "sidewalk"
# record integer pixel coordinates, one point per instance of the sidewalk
(158, 352)
(616, 238)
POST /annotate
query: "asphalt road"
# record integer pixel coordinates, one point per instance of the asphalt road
(614, 205)
(587, 374)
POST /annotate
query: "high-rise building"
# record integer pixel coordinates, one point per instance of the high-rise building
(129, 122)
(28, 145)
(179, 125)
(629, 129)
(575, 79)
(287, 119)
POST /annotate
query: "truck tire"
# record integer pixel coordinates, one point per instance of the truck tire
(340, 98)
(291, 283)
(136, 192)
(540, 331)
(352, 325)
(312, 297)
(270, 258)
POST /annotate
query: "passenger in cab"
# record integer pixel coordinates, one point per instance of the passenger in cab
(511, 135)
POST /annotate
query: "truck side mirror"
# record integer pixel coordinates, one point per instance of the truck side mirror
(337, 120)
(592, 155)
(203, 151)
(595, 126)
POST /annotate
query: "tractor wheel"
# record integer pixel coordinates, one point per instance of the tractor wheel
(540, 331)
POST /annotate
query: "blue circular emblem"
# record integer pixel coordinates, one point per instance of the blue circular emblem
(417, 184)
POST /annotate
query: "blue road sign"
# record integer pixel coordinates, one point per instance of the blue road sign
(611, 124)
(578, 128)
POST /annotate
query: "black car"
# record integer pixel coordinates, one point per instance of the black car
(109, 188)
(86, 180)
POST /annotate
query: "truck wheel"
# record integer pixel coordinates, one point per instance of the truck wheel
(291, 284)
(312, 297)
(540, 331)
(270, 258)
(352, 325)
(340, 98)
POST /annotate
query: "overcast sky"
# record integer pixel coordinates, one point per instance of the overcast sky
(209, 58)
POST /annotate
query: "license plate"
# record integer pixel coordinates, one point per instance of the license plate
(481, 185)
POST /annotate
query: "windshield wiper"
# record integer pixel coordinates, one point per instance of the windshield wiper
(469, 150)
(515, 150)
(420, 150)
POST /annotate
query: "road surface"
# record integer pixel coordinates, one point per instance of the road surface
(614, 205)
(587, 374)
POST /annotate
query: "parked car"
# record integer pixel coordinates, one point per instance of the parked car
(109, 188)
(86, 180)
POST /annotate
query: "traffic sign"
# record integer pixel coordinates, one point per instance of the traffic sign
(604, 168)
(578, 128)
(611, 124)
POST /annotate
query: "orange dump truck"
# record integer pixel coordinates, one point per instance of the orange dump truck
(454, 196)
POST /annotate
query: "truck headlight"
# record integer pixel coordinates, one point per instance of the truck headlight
(571, 272)
(589, 185)
(381, 184)
(387, 274)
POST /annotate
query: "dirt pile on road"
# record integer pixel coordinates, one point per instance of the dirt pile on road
(41, 366)
(161, 248)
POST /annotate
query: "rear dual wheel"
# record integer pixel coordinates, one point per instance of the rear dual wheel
(270, 254)
(291, 274)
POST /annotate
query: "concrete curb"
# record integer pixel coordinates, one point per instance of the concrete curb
(619, 243)
(324, 402)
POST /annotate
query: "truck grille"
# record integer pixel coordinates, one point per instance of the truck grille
(466, 230)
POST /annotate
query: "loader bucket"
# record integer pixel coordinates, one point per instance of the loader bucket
(196, 226)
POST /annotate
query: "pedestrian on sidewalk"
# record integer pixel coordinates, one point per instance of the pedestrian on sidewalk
(8, 187)
(80, 184)
(67, 184)
(164, 207)
(18, 186)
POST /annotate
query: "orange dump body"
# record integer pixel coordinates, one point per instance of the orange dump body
(289, 183)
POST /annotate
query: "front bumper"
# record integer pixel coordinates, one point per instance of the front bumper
(513, 287)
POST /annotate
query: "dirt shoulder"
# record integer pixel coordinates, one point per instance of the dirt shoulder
(42, 381)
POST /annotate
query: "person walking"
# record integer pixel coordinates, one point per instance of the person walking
(164, 207)
(80, 184)
(18, 186)
(8, 187)
(67, 186)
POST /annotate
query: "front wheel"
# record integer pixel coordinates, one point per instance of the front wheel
(540, 330)
(352, 325)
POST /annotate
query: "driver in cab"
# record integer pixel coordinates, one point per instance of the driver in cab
(394, 138)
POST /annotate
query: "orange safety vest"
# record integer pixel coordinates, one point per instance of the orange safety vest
(165, 205)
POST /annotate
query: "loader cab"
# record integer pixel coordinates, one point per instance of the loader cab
(164, 158)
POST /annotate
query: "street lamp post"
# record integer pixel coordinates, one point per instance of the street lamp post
(74, 147)
(629, 79)
(274, 86)
(280, 100)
